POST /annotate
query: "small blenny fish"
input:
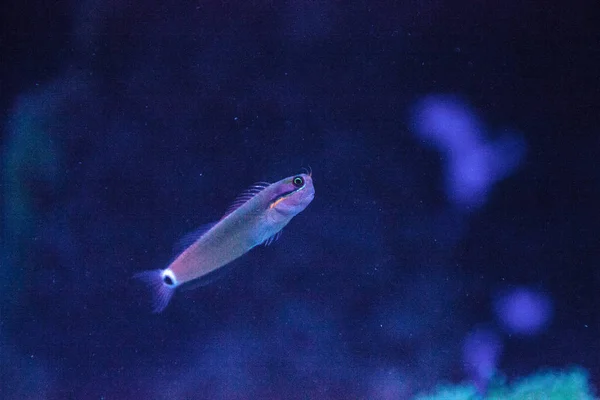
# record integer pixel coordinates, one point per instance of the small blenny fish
(257, 216)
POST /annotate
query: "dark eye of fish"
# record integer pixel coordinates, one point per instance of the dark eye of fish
(168, 280)
(298, 181)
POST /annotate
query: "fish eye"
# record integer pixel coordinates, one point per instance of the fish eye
(298, 181)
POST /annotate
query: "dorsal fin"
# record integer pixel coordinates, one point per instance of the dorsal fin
(245, 196)
(190, 238)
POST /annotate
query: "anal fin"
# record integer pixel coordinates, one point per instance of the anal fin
(272, 238)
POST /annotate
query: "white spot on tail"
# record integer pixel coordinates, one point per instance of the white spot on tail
(162, 284)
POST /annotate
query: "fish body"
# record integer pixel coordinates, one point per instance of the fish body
(257, 216)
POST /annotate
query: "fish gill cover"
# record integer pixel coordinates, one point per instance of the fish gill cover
(453, 237)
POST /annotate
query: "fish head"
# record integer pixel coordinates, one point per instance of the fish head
(292, 195)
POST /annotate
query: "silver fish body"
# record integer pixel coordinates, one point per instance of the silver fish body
(257, 216)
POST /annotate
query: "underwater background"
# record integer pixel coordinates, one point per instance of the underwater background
(454, 234)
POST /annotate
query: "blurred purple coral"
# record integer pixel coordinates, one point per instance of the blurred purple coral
(523, 311)
(482, 349)
(473, 163)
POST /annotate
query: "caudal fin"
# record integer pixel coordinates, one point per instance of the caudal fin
(161, 292)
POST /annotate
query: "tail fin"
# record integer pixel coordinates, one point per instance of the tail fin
(161, 292)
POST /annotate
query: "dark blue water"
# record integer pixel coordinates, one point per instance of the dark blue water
(453, 235)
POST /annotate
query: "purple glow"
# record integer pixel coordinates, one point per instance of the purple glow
(473, 163)
(481, 351)
(524, 311)
(447, 124)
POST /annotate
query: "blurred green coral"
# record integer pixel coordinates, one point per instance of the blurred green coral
(30, 169)
(449, 392)
(547, 385)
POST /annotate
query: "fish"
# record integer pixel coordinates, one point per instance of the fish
(257, 216)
